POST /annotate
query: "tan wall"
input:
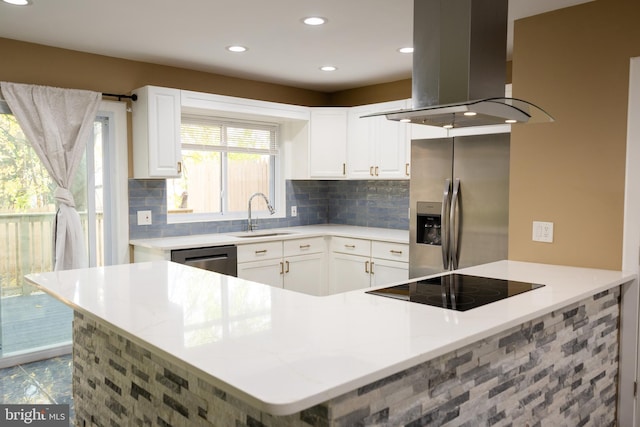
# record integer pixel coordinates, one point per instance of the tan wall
(37, 64)
(575, 63)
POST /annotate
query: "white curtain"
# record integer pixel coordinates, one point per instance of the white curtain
(58, 122)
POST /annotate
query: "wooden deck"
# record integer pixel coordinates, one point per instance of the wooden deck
(33, 322)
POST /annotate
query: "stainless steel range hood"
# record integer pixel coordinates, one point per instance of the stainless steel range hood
(459, 67)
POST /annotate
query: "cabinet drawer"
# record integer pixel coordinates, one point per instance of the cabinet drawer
(312, 245)
(259, 251)
(347, 245)
(390, 251)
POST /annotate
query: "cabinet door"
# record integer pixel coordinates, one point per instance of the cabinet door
(328, 142)
(361, 160)
(377, 147)
(391, 145)
(268, 272)
(348, 272)
(306, 274)
(156, 133)
(384, 271)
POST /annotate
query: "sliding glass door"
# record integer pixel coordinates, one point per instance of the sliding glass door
(32, 324)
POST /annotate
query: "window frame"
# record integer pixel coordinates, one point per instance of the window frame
(276, 184)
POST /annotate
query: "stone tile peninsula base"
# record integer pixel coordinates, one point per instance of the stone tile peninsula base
(559, 369)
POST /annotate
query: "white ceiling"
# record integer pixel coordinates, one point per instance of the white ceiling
(360, 38)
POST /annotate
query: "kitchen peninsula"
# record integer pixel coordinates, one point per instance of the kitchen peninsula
(158, 343)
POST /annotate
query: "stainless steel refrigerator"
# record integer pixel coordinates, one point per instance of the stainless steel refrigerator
(459, 202)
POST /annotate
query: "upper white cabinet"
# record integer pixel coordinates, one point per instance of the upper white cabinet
(156, 133)
(377, 147)
(328, 143)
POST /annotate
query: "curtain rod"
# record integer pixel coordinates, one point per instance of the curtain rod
(133, 97)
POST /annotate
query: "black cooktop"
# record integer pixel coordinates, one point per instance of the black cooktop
(455, 291)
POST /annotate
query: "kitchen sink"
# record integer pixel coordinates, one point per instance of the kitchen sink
(264, 233)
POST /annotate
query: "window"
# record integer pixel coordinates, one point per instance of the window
(223, 163)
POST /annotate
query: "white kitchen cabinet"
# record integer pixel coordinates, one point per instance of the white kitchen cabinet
(360, 263)
(348, 273)
(377, 147)
(306, 274)
(268, 272)
(299, 264)
(156, 133)
(261, 262)
(328, 143)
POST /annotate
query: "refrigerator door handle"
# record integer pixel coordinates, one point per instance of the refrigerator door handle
(455, 224)
(444, 223)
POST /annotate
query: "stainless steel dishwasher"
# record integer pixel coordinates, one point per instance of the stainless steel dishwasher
(221, 259)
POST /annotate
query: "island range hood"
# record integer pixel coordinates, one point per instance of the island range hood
(459, 67)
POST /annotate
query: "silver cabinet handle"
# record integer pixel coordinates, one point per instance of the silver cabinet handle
(376, 169)
(281, 267)
(366, 267)
(371, 170)
(455, 223)
(350, 246)
(287, 269)
(444, 222)
(371, 268)
(406, 169)
(395, 252)
(305, 246)
(262, 251)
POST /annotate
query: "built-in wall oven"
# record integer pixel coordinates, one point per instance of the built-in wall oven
(220, 259)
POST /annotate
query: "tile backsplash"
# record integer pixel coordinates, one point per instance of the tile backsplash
(366, 203)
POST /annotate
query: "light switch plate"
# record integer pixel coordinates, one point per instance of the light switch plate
(542, 231)
(294, 211)
(144, 217)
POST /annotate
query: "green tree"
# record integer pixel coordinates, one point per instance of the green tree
(25, 184)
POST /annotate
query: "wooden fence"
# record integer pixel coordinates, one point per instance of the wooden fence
(26, 242)
(248, 177)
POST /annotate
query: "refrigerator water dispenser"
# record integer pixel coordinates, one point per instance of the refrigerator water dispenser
(429, 223)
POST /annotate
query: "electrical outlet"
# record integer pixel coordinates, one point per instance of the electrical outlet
(144, 217)
(542, 231)
(294, 211)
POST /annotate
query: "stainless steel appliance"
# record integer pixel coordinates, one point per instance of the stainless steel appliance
(220, 259)
(459, 72)
(459, 202)
(455, 291)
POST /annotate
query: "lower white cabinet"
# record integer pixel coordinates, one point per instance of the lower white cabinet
(360, 263)
(299, 265)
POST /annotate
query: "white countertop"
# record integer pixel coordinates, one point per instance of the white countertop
(218, 239)
(283, 351)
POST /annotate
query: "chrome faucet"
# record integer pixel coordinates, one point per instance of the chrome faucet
(250, 225)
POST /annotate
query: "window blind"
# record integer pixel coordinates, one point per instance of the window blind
(214, 134)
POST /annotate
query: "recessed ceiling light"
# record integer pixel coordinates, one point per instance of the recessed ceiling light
(405, 120)
(18, 2)
(236, 48)
(314, 20)
(510, 121)
(405, 50)
(470, 113)
(328, 68)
